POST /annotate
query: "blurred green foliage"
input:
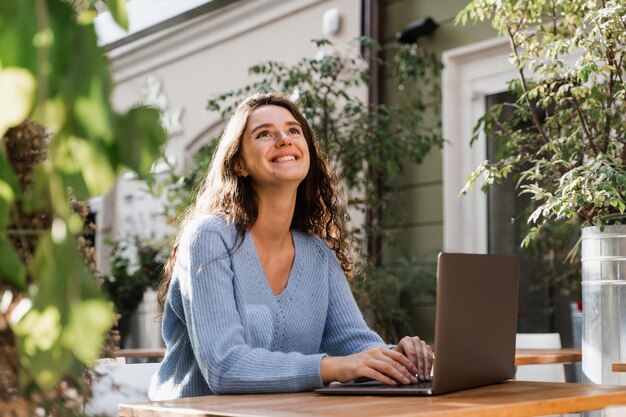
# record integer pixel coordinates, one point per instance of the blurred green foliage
(53, 72)
(390, 295)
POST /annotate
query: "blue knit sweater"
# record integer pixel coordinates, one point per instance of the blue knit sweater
(226, 332)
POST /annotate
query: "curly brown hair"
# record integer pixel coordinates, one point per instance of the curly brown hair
(320, 206)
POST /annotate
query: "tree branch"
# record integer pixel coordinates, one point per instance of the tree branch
(554, 19)
(533, 112)
(583, 120)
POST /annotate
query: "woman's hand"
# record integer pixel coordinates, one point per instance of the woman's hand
(380, 363)
(419, 353)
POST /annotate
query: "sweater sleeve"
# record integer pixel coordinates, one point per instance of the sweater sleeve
(216, 332)
(345, 331)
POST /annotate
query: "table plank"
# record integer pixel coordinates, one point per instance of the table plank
(139, 353)
(619, 367)
(547, 356)
(511, 399)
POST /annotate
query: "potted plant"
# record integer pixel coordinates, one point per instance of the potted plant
(566, 142)
(129, 280)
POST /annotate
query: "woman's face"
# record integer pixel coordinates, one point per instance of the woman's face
(274, 149)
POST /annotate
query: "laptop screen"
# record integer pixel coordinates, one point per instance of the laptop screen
(476, 320)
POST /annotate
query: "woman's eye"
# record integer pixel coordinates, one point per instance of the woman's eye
(263, 134)
(294, 131)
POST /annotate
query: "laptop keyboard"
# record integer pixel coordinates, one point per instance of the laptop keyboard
(375, 384)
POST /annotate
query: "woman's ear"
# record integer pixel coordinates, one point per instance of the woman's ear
(240, 169)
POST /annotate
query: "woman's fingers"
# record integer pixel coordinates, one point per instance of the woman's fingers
(402, 359)
(429, 357)
(419, 353)
(392, 369)
(390, 363)
(382, 364)
(407, 346)
(420, 349)
(380, 377)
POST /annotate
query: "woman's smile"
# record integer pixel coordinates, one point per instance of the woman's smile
(285, 158)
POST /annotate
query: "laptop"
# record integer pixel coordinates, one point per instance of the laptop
(475, 328)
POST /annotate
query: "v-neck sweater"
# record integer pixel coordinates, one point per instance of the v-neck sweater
(226, 332)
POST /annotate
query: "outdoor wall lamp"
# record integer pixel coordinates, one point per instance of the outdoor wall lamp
(415, 29)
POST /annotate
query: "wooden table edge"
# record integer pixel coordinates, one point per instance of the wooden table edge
(618, 367)
(547, 356)
(139, 353)
(605, 396)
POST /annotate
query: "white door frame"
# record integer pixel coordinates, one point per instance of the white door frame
(470, 73)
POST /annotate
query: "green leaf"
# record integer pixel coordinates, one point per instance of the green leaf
(586, 71)
(142, 136)
(46, 367)
(18, 89)
(91, 109)
(42, 358)
(62, 275)
(40, 329)
(9, 189)
(93, 168)
(321, 42)
(12, 271)
(88, 324)
(118, 11)
(17, 29)
(7, 196)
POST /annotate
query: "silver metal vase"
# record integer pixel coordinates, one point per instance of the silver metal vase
(603, 257)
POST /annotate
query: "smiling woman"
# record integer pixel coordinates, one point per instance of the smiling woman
(255, 296)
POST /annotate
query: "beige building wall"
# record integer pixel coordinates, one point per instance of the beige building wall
(194, 60)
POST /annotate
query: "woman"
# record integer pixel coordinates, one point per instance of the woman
(255, 296)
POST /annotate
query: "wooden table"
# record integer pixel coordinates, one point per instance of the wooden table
(547, 356)
(511, 399)
(139, 353)
(619, 367)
